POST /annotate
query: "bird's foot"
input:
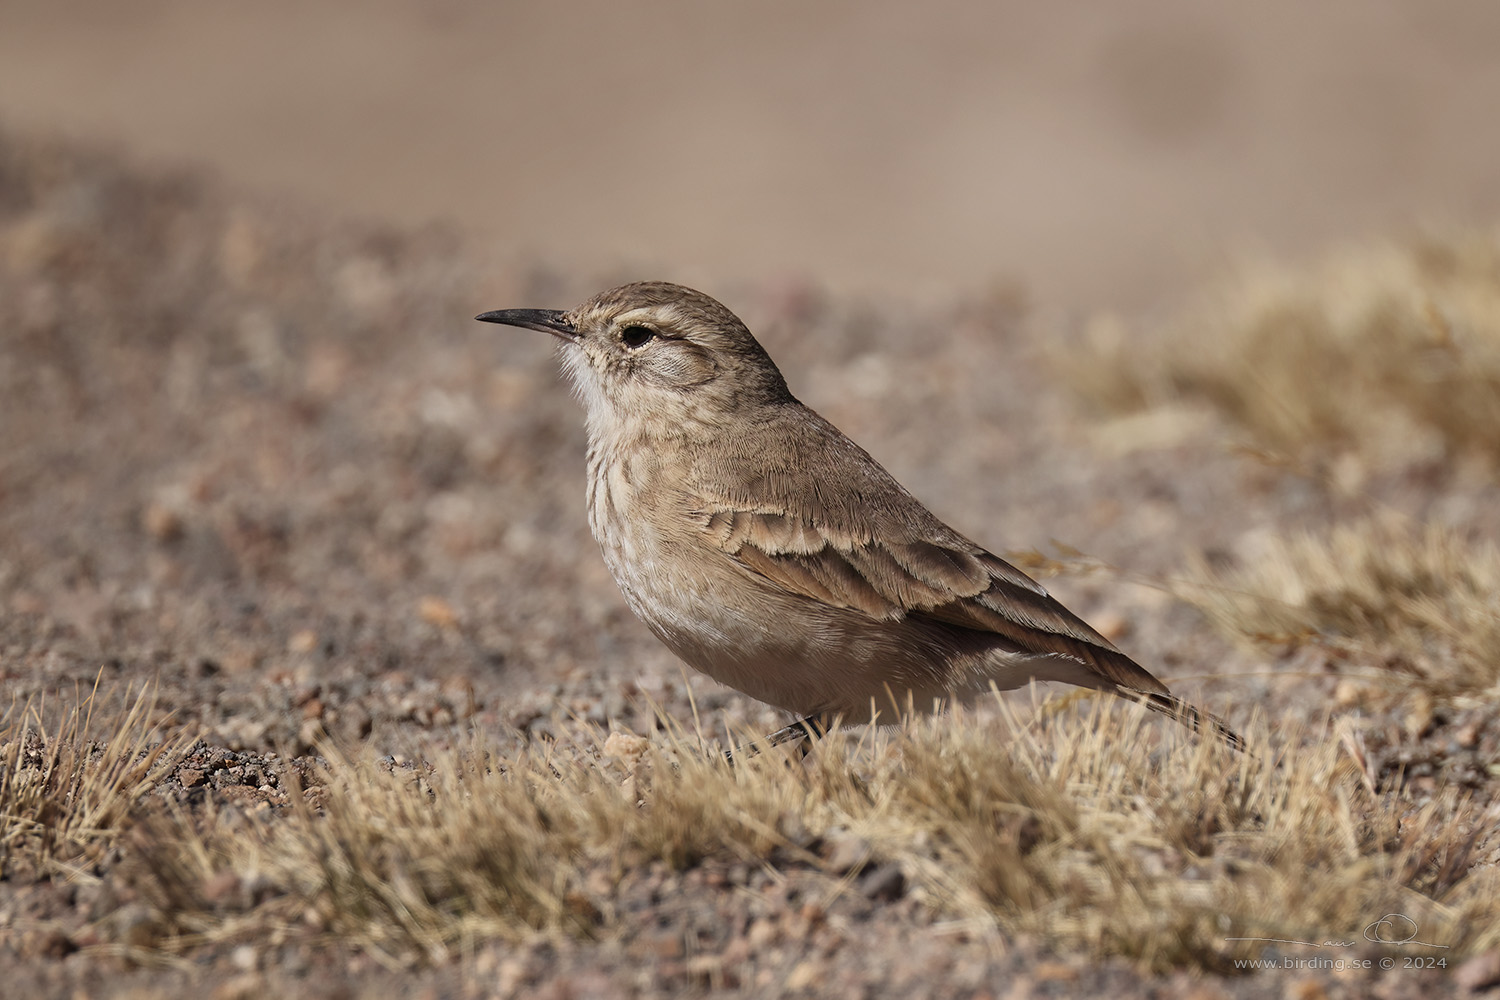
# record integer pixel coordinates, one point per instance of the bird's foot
(806, 729)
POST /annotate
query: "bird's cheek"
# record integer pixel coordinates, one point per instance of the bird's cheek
(683, 370)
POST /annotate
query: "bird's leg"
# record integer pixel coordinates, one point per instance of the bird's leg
(804, 729)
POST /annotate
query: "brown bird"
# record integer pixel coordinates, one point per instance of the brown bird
(774, 554)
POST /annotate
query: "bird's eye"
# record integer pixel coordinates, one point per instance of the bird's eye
(636, 336)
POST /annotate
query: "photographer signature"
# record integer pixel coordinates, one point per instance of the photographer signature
(1391, 929)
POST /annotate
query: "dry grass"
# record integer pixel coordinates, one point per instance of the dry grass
(1379, 369)
(1390, 352)
(1079, 827)
(1386, 354)
(1419, 602)
(1094, 828)
(66, 794)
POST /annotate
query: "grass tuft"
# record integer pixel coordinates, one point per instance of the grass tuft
(1081, 827)
(67, 794)
(1419, 602)
(1390, 352)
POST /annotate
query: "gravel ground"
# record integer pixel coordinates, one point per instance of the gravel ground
(266, 464)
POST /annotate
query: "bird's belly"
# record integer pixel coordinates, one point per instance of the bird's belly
(780, 648)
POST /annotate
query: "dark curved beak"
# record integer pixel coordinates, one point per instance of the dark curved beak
(553, 321)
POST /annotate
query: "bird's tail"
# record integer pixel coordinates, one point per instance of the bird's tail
(1195, 719)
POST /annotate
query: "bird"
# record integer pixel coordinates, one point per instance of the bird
(769, 551)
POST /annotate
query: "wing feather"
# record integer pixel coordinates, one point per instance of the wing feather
(823, 576)
(871, 547)
(950, 581)
(892, 579)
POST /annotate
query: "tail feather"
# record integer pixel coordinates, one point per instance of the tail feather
(1194, 718)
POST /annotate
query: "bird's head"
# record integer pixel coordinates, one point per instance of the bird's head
(659, 353)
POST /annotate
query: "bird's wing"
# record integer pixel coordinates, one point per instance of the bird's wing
(826, 521)
(897, 573)
(852, 537)
(949, 580)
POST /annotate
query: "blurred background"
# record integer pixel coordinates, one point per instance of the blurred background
(1097, 155)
